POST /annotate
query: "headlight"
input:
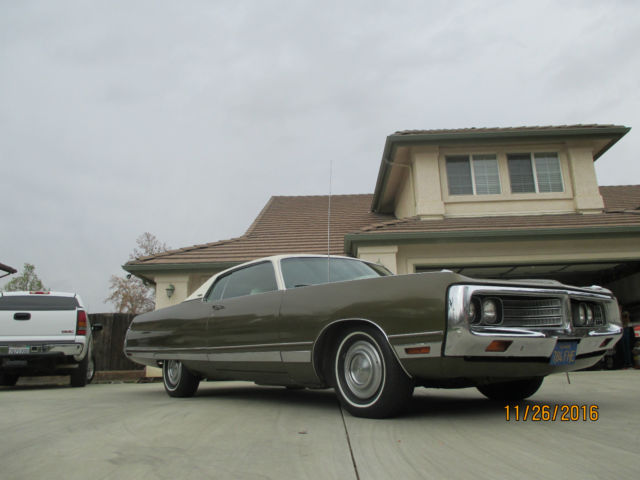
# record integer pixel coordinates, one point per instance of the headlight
(490, 314)
(589, 315)
(581, 318)
(473, 311)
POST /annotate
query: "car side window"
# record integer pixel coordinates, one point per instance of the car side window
(251, 280)
(216, 292)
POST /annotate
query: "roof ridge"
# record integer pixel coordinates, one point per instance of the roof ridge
(259, 217)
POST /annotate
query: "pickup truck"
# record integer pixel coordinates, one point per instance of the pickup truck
(45, 333)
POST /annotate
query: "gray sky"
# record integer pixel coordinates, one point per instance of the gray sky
(183, 118)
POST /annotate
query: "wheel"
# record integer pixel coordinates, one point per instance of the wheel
(79, 375)
(511, 391)
(91, 369)
(7, 380)
(178, 381)
(367, 378)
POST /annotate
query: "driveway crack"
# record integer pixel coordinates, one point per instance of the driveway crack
(346, 432)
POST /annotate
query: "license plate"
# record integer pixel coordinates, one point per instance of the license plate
(19, 350)
(564, 353)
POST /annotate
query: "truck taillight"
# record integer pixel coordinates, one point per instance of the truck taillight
(81, 324)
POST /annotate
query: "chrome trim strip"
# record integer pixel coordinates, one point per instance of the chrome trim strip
(302, 356)
(273, 356)
(418, 334)
(231, 347)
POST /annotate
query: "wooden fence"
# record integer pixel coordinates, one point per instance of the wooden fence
(107, 344)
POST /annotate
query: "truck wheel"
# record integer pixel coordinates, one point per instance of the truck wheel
(91, 369)
(7, 380)
(512, 391)
(178, 381)
(368, 379)
(79, 375)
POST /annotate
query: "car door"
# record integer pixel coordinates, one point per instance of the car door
(243, 324)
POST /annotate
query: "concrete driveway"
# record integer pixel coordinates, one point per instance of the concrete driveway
(238, 430)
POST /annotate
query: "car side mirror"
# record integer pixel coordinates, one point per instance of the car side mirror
(96, 327)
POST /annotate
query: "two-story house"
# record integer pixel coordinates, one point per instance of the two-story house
(490, 202)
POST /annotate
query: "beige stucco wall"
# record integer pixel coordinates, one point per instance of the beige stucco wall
(424, 191)
(516, 251)
(185, 284)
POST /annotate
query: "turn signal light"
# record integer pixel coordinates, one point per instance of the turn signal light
(498, 346)
(417, 350)
(81, 323)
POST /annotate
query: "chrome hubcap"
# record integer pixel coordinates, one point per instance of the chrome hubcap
(363, 369)
(173, 371)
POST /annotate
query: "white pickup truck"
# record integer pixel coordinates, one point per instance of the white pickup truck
(45, 333)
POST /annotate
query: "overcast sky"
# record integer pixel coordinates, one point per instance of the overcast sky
(183, 118)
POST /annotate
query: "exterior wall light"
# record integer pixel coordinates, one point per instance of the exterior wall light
(170, 289)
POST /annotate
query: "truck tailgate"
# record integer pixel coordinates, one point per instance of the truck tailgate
(58, 323)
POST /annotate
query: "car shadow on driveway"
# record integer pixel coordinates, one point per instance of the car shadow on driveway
(424, 404)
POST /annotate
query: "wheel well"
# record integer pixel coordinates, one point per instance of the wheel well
(327, 343)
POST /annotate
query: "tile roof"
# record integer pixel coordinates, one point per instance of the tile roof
(523, 129)
(299, 225)
(285, 225)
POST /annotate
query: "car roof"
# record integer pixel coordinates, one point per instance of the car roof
(200, 291)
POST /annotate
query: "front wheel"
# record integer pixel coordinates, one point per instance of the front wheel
(512, 391)
(368, 379)
(178, 381)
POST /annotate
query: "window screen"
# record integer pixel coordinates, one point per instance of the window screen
(548, 172)
(521, 173)
(459, 175)
(485, 172)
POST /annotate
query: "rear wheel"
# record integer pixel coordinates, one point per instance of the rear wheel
(91, 369)
(7, 380)
(511, 391)
(178, 381)
(368, 379)
(79, 375)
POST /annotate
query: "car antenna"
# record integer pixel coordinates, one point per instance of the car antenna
(329, 223)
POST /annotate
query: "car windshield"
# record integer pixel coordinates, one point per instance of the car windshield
(304, 271)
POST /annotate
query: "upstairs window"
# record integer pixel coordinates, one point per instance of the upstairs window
(535, 172)
(473, 174)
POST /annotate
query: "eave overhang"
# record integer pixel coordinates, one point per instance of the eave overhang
(353, 240)
(147, 272)
(608, 135)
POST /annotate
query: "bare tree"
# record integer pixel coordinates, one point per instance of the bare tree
(26, 281)
(131, 294)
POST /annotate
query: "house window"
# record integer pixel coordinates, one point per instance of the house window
(535, 172)
(473, 174)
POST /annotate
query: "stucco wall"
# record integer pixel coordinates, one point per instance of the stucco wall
(427, 175)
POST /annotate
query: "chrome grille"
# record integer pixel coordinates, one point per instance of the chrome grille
(531, 312)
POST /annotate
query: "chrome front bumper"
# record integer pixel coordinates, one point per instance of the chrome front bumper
(465, 340)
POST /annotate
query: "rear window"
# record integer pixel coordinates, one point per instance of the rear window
(37, 302)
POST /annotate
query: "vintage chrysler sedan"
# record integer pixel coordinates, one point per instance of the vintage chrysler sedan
(317, 321)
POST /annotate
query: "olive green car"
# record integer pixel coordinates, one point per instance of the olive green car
(318, 322)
